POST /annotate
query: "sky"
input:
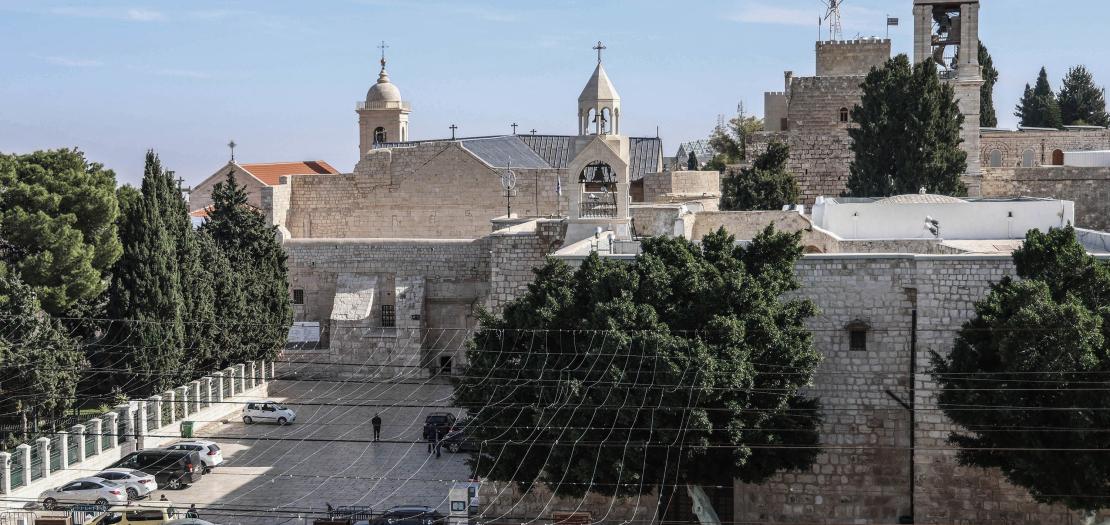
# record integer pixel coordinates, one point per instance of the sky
(281, 77)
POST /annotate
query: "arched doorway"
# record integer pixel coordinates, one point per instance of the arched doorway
(1058, 158)
(379, 135)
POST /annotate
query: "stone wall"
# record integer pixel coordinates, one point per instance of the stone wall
(815, 102)
(431, 190)
(669, 186)
(1012, 145)
(514, 253)
(538, 503)
(1089, 188)
(851, 57)
(201, 196)
(819, 161)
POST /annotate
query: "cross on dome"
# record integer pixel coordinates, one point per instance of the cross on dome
(383, 47)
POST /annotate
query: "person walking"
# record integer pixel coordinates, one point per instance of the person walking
(377, 422)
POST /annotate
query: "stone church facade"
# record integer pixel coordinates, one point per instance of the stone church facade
(391, 263)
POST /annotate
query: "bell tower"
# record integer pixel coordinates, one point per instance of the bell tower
(382, 116)
(946, 33)
(599, 168)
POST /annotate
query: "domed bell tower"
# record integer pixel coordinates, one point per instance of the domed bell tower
(383, 116)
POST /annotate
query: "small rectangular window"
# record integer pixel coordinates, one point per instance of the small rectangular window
(389, 316)
(298, 296)
(857, 340)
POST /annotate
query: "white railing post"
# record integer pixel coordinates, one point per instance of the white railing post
(272, 373)
(229, 373)
(156, 406)
(241, 371)
(251, 380)
(170, 398)
(210, 395)
(140, 426)
(194, 395)
(127, 414)
(63, 451)
(183, 400)
(96, 428)
(78, 433)
(44, 452)
(23, 456)
(112, 422)
(219, 378)
(5, 473)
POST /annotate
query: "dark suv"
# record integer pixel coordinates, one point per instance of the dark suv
(437, 425)
(173, 469)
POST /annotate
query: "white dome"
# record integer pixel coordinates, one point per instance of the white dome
(384, 90)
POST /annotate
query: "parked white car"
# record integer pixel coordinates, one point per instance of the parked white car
(209, 451)
(84, 490)
(268, 412)
(137, 484)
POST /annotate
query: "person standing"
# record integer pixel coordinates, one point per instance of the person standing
(377, 423)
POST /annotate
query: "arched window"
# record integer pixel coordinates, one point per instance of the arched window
(379, 135)
(606, 121)
(591, 122)
(1058, 158)
(843, 115)
(1028, 158)
(599, 192)
(995, 159)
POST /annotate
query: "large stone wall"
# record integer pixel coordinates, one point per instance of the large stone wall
(819, 161)
(815, 102)
(1012, 145)
(851, 57)
(680, 186)
(431, 190)
(1089, 188)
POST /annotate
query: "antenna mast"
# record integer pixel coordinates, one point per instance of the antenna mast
(832, 16)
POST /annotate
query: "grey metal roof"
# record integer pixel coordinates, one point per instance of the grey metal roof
(546, 151)
(503, 151)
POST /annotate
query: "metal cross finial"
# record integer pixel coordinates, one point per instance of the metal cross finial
(599, 47)
(453, 128)
(180, 181)
(232, 145)
(383, 47)
(533, 131)
(514, 128)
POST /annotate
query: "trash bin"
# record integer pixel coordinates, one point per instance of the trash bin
(186, 429)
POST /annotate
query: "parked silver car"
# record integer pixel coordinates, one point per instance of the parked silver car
(84, 490)
(138, 484)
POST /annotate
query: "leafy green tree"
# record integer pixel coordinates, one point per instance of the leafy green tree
(145, 301)
(58, 213)
(767, 185)
(730, 142)
(679, 368)
(988, 118)
(1038, 107)
(907, 134)
(1041, 340)
(257, 261)
(39, 363)
(1081, 101)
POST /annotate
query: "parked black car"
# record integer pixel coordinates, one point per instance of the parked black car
(408, 515)
(438, 425)
(172, 469)
(456, 441)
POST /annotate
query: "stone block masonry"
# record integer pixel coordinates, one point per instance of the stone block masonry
(851, 57)
(1089, 188)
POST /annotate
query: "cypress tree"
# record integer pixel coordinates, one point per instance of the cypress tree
(988, 118)
(145, 334)
(257, 261)
(908, 133)
(1038, 107)
(1081, 101)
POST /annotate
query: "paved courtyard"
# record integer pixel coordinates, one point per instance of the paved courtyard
(271, 473)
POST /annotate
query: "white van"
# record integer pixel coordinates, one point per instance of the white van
(268, 412)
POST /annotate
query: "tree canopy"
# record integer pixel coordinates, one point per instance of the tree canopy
(677, 368)
(730, 142)
(1082, 103)
(58, 214)
(907, 133)
(766, 185)
(1041, 339)
(1038, 107)
(988, 117)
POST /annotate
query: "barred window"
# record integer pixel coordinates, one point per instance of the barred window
(298, 296)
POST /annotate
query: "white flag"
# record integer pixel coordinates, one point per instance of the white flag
(559, 186)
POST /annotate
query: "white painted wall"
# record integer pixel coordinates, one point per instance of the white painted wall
(1087, 159)
(969, 220)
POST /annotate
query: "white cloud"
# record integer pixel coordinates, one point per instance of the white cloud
(767, 14)
(70, 61)
(116, 13)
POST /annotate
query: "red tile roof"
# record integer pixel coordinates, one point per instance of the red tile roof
(201, 213)
(270, 173)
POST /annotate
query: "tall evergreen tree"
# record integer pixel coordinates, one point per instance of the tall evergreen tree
(1081, 101)
(767, 185)
(257, 260)
(39, 363)
(908, 133)
(988, 118)
(145, 335)
(58, 215)
(1038, 107)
